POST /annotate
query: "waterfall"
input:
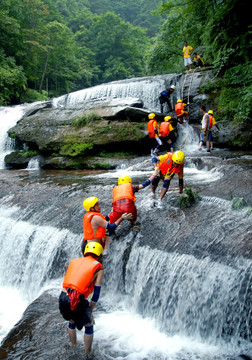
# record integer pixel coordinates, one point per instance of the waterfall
(8, 116)
(198, 306)
(145, 88)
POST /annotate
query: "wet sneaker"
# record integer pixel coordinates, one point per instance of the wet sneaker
(152, 196)
(200, 149)
(160, 204)
(211, 149)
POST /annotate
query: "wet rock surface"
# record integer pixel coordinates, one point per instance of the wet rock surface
(122, 109)
(208, 229)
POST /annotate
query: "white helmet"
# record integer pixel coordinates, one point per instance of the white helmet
(173, 87)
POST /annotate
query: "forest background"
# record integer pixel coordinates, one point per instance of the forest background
(52, 47)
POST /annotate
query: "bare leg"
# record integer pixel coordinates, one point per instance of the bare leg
(106, 240)
(72, 336)
(88, 340)
(162, 194)
(153, 189)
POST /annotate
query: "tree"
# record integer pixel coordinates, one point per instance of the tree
(113, 38)
(12, 80)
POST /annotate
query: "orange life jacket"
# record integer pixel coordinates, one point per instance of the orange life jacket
(210, 121)
(123, 191)
(80, 273)
(165, 165)
(179, 107)
(88, 230)
(164, 128)
(151, 129)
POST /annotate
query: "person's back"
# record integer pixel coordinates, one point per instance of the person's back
(83, 276)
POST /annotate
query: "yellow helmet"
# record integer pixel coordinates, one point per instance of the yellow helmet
(210, 112)
(178, 157)
(90, 202)
(124, 180)
(93, 247)
(179, 100)
(151, 116)
(167, 118)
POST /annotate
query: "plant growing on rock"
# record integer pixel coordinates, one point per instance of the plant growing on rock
(84, 120)
(191, 198)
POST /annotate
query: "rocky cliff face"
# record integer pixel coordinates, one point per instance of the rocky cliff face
(72, 131)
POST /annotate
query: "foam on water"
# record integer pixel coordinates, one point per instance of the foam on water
(12, 305)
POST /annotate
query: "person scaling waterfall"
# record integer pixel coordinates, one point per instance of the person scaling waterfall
(83, 277)
(124, 199)
(168, 165)
(96, 226)
(153, 129)
(164, 97)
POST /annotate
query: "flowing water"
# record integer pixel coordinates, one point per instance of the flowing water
(178, 290)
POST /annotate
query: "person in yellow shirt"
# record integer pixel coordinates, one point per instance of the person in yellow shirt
(187, 51)
(197, 60)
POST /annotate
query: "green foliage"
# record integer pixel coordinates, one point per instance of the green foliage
(102, 166)
(238, 203)
(29, 153)
(85, 119)
(119, 154)
(30, 95)
(12, 80)
(75, 149)
(188, 198)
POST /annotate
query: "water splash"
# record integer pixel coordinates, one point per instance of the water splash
(9, 117)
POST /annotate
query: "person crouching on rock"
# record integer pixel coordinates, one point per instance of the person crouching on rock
(83, 277)
(168, 165)
(96, 226)
(124, 198)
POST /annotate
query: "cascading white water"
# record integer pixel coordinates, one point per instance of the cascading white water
(8, 118)
(174, 306)
(147, 89)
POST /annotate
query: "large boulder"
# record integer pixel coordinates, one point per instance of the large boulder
(65, 137)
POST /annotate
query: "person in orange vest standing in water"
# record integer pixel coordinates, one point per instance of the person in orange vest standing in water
(97, 227)
(212, 123)
(83, 277)
(168, 165)
(153, 130)
(167, 133)
(124, 198)
(180, 111)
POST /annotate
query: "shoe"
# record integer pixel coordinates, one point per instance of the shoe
(136, 228)
(200, 149)
(159, 204)
(152, 196)
(208, 151)
(211, 149)
(105, 252)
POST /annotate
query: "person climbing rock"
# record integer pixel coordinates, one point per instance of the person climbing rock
(168, 165)
(97, 227)
(197, 60)
(124, 198)
(187, 51)
(167, 133)
(204, 134)
(212, 124)
(153, 130)
(181, 113)
(164, 97)
(83, 277)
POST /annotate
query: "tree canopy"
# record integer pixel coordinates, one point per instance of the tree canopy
(51, 47)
